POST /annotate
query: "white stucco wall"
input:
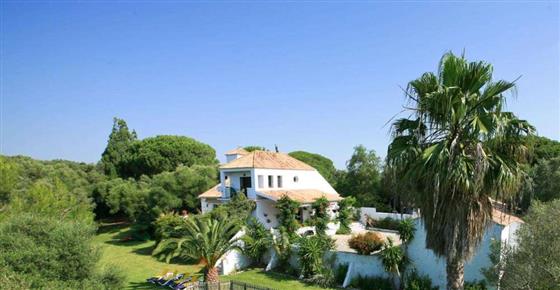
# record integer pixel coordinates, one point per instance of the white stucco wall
(233, 260)
(266, 206)
(306, 179)
(208, 204)
(372, 212)
(509, 234)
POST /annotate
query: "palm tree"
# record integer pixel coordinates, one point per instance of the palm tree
(256, 241)
(458, 148)
(205, 239)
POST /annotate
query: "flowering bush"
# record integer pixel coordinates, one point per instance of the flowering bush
(366, 243)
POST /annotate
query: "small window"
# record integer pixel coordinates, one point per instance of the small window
(279, 183)
(296, 179)
(270, 181)
(261, 181)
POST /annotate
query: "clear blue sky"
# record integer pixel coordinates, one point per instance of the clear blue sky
(321, 77)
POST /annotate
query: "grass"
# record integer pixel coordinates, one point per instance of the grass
(270, 279)
(134, 258)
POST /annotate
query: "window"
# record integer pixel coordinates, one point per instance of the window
(279, 183)
(270, 181)
(261, 181)
(296, 179)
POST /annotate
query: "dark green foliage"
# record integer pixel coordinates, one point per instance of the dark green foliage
(543, 148)
(311, 254)
(120, 197)
(363, 179)
(345, 214)
(475, 285)
(52, 200)
(9, 172)
(320, 218)
(238, 210)
(256, 241)
(287, 211)
(386, 223)
(340, 273)
(254, 148)
(369, 283)
(119, 142)
(283, 248)
(144, 200)
(366, 243)
(546, 179)
(415, 281)
(154, 155)
(47, 252)
(168, 226)
(324, 165)
(535, 262)
(406, 230)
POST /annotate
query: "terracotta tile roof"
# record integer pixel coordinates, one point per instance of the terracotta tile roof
(299, 195)
(500, 216)
(211, 193)
(269, 160)
(238, 150)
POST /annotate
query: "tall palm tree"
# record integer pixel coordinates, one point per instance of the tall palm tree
(205, 239)
(458, 148)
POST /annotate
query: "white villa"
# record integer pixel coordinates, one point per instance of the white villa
(265, 177)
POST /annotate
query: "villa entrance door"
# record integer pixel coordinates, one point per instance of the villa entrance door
(245, 182)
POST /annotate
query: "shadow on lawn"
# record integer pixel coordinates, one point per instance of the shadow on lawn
(278, 277)
(142, 285)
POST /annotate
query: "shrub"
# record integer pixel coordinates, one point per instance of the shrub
(386, 223)
(311, 254)
(415, 281)
(49, 253)
(345, 214)
(287, 211)
(475, 285)
(256, 241)
(320, 217)
(168, 226)
(343, 230)
(366, 243)
(368, 283)
(340, 273)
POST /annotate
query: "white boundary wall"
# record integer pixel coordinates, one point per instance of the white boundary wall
(372, 212)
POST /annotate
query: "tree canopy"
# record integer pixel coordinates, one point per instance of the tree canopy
(535, 262)
(120, 140)
(154, 155)
(363, 179)
(324, 165)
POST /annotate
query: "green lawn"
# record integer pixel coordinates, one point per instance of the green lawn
(270, 279)
(134, 258)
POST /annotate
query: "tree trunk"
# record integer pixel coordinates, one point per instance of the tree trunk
(455, 273)
(212, 275)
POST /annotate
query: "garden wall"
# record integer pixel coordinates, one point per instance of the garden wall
(372, 212)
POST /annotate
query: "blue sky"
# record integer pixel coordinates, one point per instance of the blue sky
(315, 76)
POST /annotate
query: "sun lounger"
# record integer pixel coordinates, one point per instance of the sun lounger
(159, 279)
(173, 279)
(180, 285)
